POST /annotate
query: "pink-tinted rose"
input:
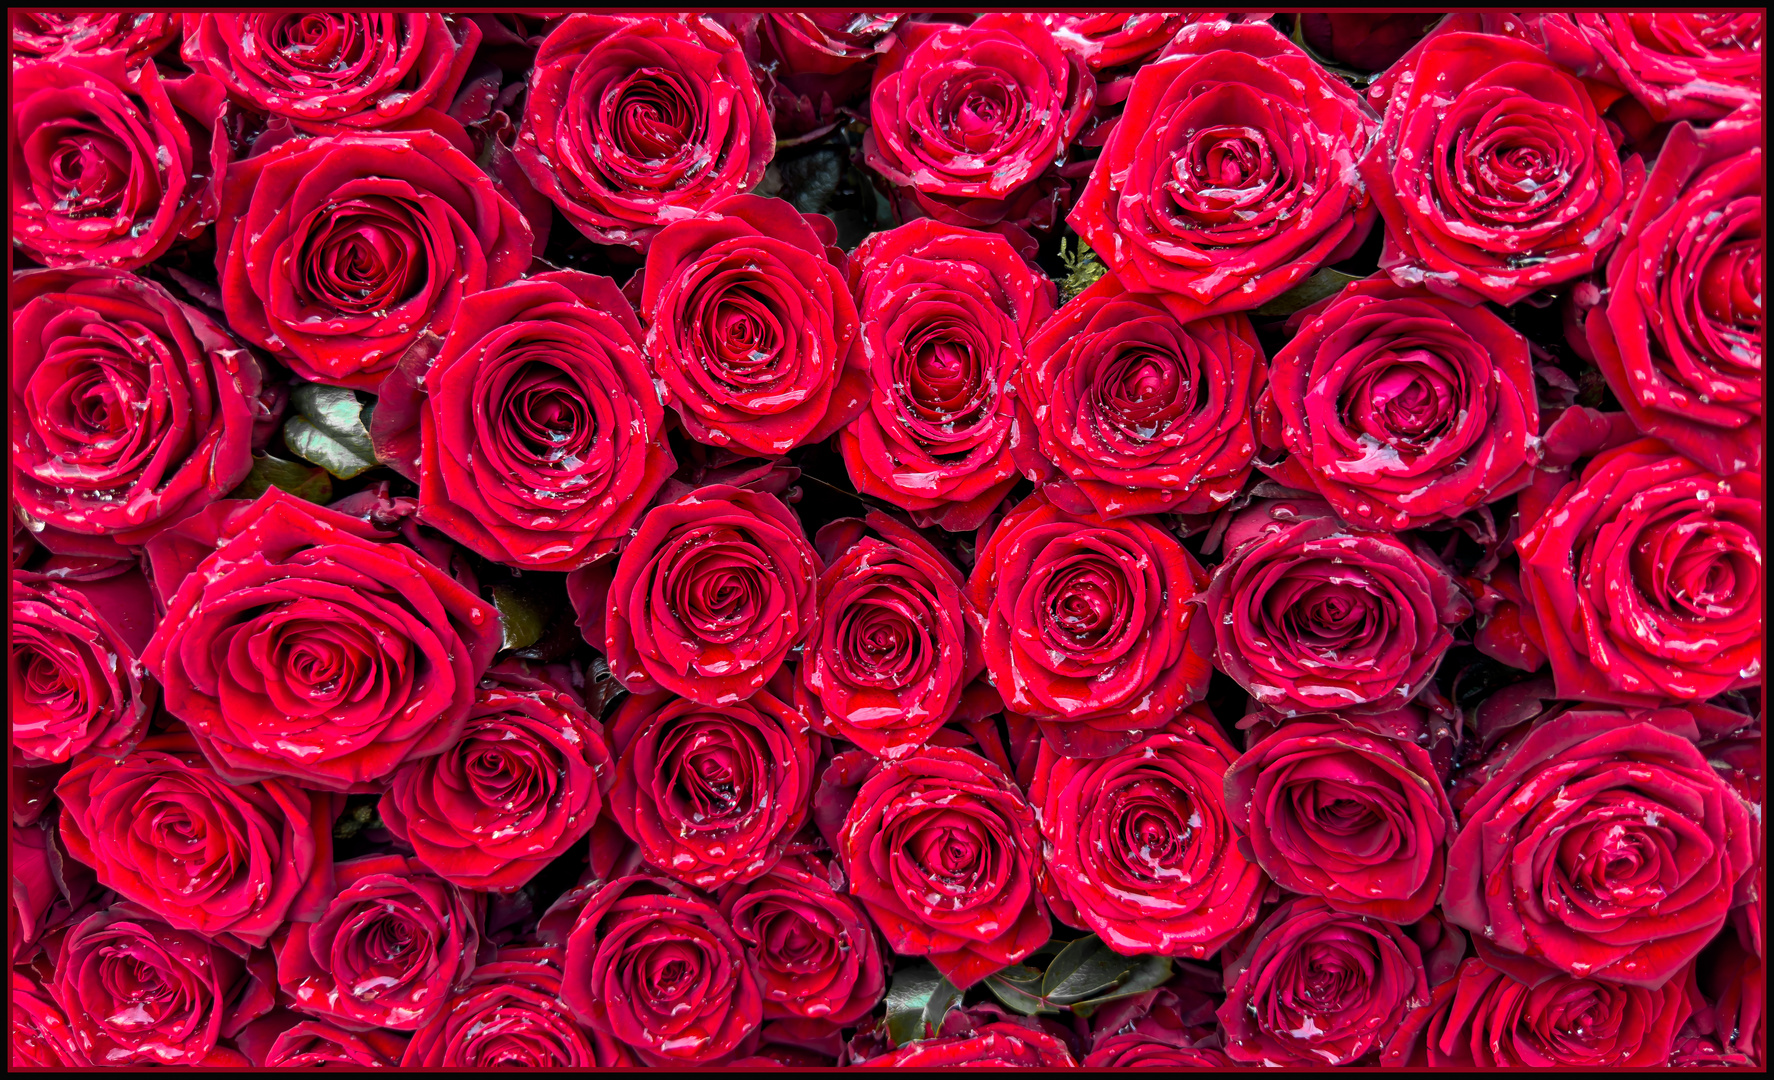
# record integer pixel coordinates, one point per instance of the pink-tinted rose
(1604, 845)
(1645, 579)
(391, 944)
(287, 1040)
(54, 35)
(523, 783)
(41, 1037)
(1088, 624)
(710, 596)
(945, 313)
(751, 327)
(895, 649)
(1137, 412)
(1494, 172)
(310, 647)
(130, 409)
(1308, 616)
(1681, 65)
(510, 1015)
(654, 965)
(338, 253)
(1228, 178)
(1364, 40)
(711, 793)
(983, 1037)
(109, 166)
(1680, 335)
(1140, 846)
(812, 949)
(136, 992)
(1315, 986)
(942, 850)
(635, 121)
(1402, 408)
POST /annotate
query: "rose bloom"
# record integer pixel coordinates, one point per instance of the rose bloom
(1227, 180)
(130, 409)
(815, 63)
(1108, 40)
(509, 1015)
(1308, 616)
(1644, 579)
(1137, 412)
(1140, 847)
(1604, 846)
(654, 965)
(942, 850)
(41, 1036)
(308, 646)
(334, 69)
(979, 1038)
(109, 165)
(1087, 624)
(945, 313)
(812, 949)
(751, 326)
(895, 649)
(1366, 41)
(287, 1040)
(631, 122)
(1483, 1019)
(712, 593)
(391, 944)
(711, 793)
(135, 991)
(72, 680)
(1402, 408)
(337, 253)
(1171, 1027)
(535, 434)
(523, 783)
(1314, 986)
(965, 119)
(50, 892)
(1681, 65)
(1511, 185)
(54, 35)
(1680, 335)
(163, 830)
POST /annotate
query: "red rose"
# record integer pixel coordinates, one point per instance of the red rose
(966, 119)
(308, 647)
(1483, 1019)
(1494, 172)
(945, 312)
(286, 1040)
(391, 945)
(135, 991)
(509, 1015)
(1319, 987)
(521, 785)
(812, 949)
(1644, 578)
(1680, 335)
(712, 593)
(1402, 408)
(338, 253)
(535, 435)
(1681, 65)
(1227, 180)
(1171, 1027)
(55, 35)
(942, 850)
(1140, 847)
(633, 122)
(163, 830)
(814, 63)
(1366, 41)
(895, 649)
(1604, 845)
(1088, 624)
(979, 1038)
(109, 166)
(711, 794)
(130, 410)
(1137, 412)
(50, 891)
(72, 680)
(751, 327)
(1116, 39)
(655, 966)
(41, 1036)
(1308, 616)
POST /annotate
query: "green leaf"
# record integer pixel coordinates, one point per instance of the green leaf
(331, 429)
(1149, 973)
(1326, 282)
(520, 618)
(1083, 969)
(1019, 988)
(1084, 975)
(917, 1002)
(302, 481)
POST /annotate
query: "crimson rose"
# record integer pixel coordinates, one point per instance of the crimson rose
(815, 63)
(1681, 65)
(41, 1037)
(978, 1038)
(509, 1015)
(286, 1040)
(54, 35)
